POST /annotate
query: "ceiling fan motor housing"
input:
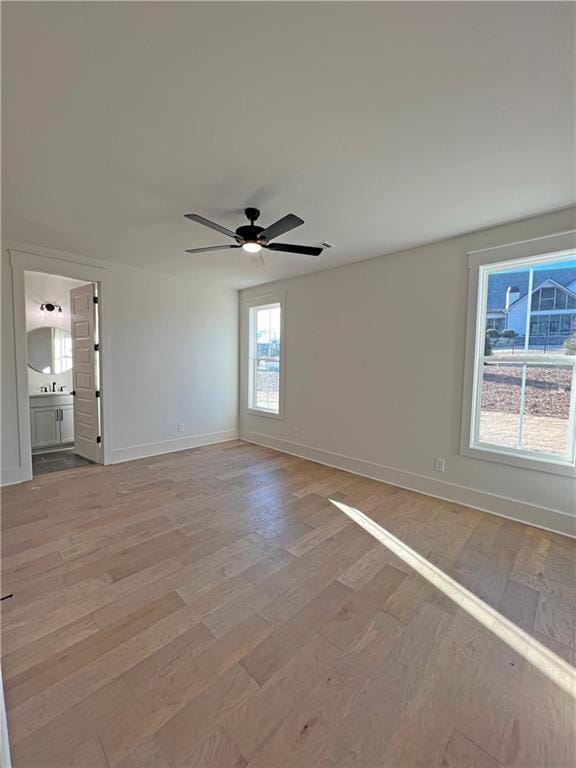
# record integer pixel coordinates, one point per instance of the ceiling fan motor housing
(249, 232)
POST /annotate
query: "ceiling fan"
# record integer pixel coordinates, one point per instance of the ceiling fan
(252, 238)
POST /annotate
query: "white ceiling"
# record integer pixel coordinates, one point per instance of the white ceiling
(383, 125)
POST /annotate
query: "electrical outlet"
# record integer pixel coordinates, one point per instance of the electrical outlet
(180, 427)
(439, 464)
(296, 431)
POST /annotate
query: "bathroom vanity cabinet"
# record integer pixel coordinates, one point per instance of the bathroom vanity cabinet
(51, 420)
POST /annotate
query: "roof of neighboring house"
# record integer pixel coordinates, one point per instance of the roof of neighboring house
(498, 283)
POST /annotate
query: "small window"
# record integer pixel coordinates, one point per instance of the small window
(495, 322)
(523, 397)
(265, 358)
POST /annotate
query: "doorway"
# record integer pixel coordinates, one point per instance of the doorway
(62, 341)
(50, 262)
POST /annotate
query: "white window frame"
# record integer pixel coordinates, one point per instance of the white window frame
(263, 302)
(549, 248)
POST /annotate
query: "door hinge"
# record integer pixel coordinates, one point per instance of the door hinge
(97, 393)
(99, 439)
(95, 299)
(96, 347)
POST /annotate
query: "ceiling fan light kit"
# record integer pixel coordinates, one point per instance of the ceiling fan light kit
(253, 238)
(251, 247)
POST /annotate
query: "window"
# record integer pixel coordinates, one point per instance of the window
(522, 399)
(543, 325)
(550, 297)
(495, 322)
(62, 351)
(265, 358)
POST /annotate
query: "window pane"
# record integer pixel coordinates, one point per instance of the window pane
(500, 405)
(267, 380)
(561, 299)
(268, 324)
(547, 409)
(268, 332)
(555, 284)
(263, 325)
(507, 299)
(552, 312)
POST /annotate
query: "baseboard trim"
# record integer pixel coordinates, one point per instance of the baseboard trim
(145, 450)
(520, 511)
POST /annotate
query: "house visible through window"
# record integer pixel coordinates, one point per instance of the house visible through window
(524, 398)
(265, 324)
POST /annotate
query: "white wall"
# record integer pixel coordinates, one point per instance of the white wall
(374, 376)
(172, 359)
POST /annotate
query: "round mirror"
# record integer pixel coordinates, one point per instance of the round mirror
(49, 350)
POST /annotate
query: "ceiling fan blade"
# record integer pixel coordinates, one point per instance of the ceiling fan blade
(280, 227)
(208, 223)
(212, 248)
(305, 250)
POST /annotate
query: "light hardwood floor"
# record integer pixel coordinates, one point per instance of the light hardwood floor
(214, 608)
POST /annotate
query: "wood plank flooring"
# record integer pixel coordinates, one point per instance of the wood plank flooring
(215, 609)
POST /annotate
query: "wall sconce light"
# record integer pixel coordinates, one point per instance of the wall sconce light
(49, 307)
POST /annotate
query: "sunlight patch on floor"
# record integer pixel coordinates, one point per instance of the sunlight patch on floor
(545, 660)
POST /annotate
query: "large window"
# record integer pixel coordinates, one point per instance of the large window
(523, 401)
(265, 358)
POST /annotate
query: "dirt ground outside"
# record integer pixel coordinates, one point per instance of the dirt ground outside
(546, 407)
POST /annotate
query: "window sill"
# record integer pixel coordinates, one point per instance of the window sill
(262, 412)
(523, 462)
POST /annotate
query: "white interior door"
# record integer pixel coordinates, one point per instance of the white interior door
(85, 372)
